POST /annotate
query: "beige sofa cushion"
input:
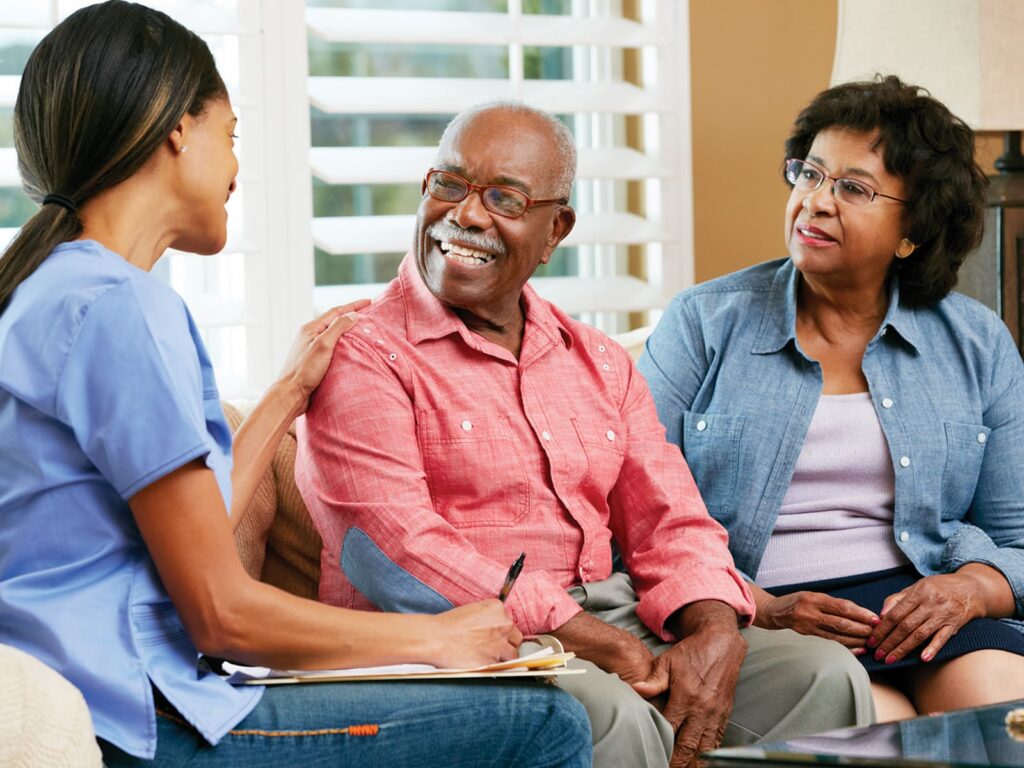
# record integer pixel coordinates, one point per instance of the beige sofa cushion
(277, 541)
(44, 722)
(634, 341)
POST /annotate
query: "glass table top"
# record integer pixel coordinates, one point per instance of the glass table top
(986, 736)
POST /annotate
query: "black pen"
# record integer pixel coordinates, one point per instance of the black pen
(510, 580)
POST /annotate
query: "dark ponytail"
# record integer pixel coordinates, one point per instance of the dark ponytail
(100, 93)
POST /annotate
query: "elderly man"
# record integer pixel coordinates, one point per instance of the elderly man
(465, 420)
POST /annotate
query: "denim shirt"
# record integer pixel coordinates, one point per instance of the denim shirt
(105, 387)
(736, 393)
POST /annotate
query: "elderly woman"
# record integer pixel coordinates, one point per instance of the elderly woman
(857, 427)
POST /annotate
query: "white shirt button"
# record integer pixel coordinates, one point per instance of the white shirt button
(982, 437)
(886, 402)
(467, 425)
(601, 348)
(904, 536)
(702, 425)
(392, 356)
(546, 435)
(904, 461)
(606, 367)
(610, 435)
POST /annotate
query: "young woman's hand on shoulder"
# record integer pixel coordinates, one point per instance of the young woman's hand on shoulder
(311, 352)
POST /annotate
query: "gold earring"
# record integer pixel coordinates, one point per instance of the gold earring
(905, 248)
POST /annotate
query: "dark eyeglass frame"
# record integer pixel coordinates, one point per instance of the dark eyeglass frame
(482, 189)
(836, 182)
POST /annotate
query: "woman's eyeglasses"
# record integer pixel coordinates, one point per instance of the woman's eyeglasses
(807, 177)
(509, 202)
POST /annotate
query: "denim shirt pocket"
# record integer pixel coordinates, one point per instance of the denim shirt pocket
(711, 445)
(965, 450)
(473, 467)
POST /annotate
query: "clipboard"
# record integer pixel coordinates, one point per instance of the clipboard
(546, 662)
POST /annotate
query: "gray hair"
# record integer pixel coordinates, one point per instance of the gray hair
(565, 145)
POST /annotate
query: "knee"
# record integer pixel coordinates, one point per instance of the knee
(567, 718)
(628, 725)
(836, 665)
(554, 730)
(834, 677)
(623, 724)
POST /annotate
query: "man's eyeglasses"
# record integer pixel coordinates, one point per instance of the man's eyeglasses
(509, 202)
(807, 177)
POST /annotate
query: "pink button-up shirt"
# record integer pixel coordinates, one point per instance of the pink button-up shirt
(453, 457)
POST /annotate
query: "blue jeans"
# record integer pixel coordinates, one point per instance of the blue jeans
(468, 723)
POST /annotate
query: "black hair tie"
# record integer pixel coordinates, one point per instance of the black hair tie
(61, 200)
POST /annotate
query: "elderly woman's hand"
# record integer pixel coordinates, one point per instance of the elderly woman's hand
(313, 348)
(936, 607)
(815, 613)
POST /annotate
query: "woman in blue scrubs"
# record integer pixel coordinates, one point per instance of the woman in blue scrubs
(119, 483)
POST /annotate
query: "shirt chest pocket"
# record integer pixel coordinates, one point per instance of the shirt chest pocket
(965, 450)
(603, 444)
(711, 445)
(473, 467)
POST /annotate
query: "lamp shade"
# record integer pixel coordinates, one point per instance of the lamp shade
(968, 53)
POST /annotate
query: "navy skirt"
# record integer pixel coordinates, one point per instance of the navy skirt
(870, 591)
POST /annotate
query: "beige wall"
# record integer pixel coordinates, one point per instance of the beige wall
(748, 85)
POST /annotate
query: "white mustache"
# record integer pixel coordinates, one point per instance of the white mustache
(446, 231)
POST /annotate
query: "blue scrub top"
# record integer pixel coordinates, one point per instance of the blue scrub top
(105, 387)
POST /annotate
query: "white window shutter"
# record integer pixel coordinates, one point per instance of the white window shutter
(595, 98)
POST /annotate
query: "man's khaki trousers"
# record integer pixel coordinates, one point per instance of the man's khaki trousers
(790, 685)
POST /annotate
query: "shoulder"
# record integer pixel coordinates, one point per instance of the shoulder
(81, 276)
(133, 313)
(377, 350)
(724, 306)
(745, 285)
(583, 336)
(381, 325)
(968, 329)
(963, 310)
(83, 286)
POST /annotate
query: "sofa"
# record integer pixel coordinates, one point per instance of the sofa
(44, 721)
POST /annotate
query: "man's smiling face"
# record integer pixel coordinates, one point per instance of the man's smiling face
(469, 257)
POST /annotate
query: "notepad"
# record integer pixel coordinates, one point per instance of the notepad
(546, 662)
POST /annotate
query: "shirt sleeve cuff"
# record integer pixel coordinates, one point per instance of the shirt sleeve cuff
(970, 544)
(723, 585)
(538, 604)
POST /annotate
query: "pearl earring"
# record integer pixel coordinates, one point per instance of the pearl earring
(184, 148)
